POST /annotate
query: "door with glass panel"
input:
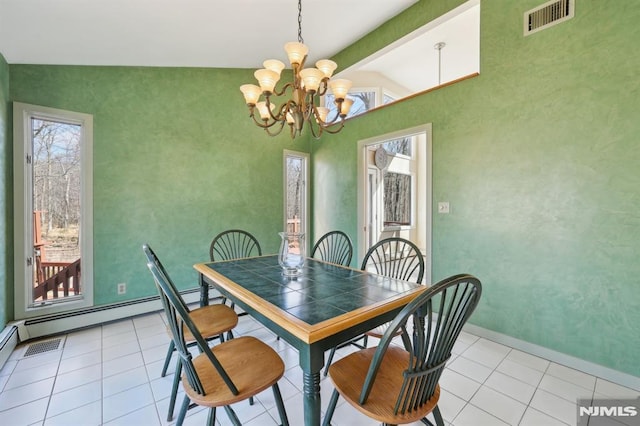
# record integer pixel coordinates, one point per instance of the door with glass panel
(53, 206)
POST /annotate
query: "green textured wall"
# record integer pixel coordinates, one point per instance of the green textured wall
(538, 157)
(6, 212)
(176, 160)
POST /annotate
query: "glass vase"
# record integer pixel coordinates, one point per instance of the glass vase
(292, 253)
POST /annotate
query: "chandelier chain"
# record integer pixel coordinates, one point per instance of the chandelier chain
(300, 22)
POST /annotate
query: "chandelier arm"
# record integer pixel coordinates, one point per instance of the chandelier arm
(284, 89)
(337, 115)
(309, 101)
(324, 86)
(262, 123)
(290, 107)
(316, 129)
(281, 115)
(330, 128)
(277, 132)
(313, 133)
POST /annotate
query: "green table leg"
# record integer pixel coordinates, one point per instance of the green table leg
(204, 291)
(311, 362)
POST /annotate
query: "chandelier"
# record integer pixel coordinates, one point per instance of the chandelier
(301, 96)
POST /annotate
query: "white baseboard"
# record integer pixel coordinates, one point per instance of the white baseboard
(64, 322)
(620, 378)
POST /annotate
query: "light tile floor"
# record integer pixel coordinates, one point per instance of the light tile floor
(110, 374)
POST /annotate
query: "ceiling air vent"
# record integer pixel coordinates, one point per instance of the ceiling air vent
(548, 14)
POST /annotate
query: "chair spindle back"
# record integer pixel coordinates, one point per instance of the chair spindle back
(234, 244)
(334, 247)
(437, 317)
(395, 257)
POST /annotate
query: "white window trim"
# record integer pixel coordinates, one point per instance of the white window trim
(23, 233)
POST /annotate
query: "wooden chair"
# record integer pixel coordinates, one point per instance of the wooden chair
(397, 386)
(234, 244)
(227, 373)
(396, 258)
(393, 257)
(212, 322)
(334, 247)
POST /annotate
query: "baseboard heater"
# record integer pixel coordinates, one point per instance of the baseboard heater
(65, 322)
(23, 331)
(8, 342)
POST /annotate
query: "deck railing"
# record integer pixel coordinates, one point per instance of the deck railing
(293, 225)
(58, 277)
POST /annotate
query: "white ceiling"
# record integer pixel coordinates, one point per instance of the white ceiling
(182, 33)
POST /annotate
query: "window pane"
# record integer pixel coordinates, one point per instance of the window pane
(362, 102)
(399, 146)
(56, 209)
(295, 194)
(397, 199)
(386, 99)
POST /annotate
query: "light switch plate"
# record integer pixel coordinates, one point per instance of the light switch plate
(443, 207)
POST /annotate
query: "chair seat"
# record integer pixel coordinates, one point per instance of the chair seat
(212, 320)
(348, 376)
(238, 357)
(379, 331)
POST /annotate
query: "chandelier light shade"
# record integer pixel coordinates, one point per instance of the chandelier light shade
(299, 99)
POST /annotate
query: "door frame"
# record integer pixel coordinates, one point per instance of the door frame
(23, 209)
(424, 219)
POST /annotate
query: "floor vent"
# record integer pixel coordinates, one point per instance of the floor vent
(41, 347)
(547, 15)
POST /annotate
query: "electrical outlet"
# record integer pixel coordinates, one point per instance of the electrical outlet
(122, 288)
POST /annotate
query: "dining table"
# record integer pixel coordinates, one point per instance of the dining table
(320, 308)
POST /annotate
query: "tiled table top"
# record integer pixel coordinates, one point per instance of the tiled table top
(322, 291)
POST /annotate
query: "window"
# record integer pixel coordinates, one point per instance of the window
(363, 101)
(400, 146)
(295, 190)
(397, 199)
(53, 210)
